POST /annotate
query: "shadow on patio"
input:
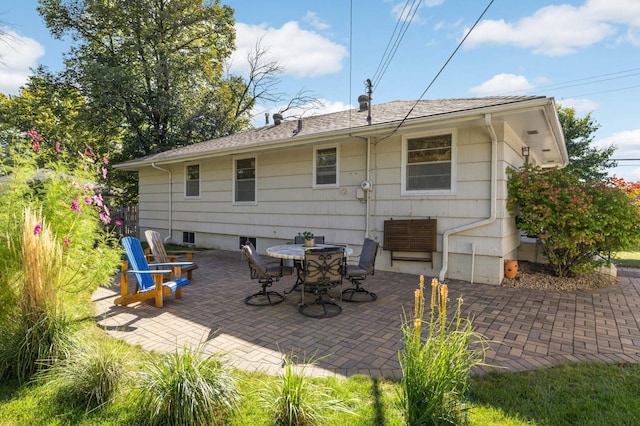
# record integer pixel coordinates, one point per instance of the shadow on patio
(526, 329)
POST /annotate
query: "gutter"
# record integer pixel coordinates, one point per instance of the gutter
(493, 201)
(168, 237)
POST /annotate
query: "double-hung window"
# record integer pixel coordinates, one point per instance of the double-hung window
(192, 181)
(428, 164)
(325, 167)
(244, 180)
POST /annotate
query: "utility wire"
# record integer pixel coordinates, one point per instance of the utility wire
(441, 69)
(585, 81)
(384, 63)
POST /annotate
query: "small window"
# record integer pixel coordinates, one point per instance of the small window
(325, 167)
(188, 237)
(243, 240)
(192, 188)
(245, 180)
(428, 164)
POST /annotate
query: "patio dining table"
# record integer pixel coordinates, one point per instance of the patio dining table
(296, 252)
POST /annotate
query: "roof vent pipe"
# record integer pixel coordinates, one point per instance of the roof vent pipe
(363, 100)
(266, 118)
(277, 119)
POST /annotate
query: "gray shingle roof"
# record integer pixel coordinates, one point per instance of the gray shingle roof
(342, 121)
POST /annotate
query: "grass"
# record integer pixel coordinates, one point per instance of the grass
(628, 259)
(583, 393)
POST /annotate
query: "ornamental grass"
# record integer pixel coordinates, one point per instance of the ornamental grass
(436, 368)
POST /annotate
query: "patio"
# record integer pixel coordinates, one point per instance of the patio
(525, 329)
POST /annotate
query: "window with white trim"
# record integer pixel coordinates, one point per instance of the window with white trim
(192, 180)
(325, 167)
(428, 164)
(244, 180)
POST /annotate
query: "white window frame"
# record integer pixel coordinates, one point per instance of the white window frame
(186, 180)
(316, 185)
(454, 143)
(255, 181)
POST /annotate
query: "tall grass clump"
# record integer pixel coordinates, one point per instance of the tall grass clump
(436, 369)
(293, 399)
(92, 373)
(38, 331)
(187, 387)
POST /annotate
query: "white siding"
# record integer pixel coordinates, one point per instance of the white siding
(287, 204)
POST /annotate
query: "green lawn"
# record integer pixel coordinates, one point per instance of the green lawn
(629, 259)
(580, 394)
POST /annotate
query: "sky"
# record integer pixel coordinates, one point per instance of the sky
(583, 53)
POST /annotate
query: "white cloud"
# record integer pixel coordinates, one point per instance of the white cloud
(502, 84)
(627, 143)
(18, 54)
(582, 106)
(628, 146)
(300, 52)
(312, 19)
(563, 29)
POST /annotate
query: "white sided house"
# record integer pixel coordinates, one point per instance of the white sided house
(343, 176)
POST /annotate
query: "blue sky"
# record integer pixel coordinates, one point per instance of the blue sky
(584, 53)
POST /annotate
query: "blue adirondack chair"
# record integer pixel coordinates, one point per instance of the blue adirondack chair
(149, 279)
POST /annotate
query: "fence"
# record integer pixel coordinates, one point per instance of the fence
(125, 219)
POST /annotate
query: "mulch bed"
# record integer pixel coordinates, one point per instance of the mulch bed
(537, 276)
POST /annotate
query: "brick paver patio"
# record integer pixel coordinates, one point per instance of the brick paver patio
(525, 329)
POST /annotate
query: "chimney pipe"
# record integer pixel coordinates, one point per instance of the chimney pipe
(277, 119)
(266, 118)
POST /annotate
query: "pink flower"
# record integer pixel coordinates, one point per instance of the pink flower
(58, 147)
(37, 229)
(37, 137)
(104, 218)
(118, 222)
(36, 146)
(75, 206)
(104, 173)
(88, 201)
(105, 160)
(66, 241)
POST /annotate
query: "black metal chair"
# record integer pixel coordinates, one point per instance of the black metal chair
(266, 274)
(298, 265)
(323, 270)
(358, 273)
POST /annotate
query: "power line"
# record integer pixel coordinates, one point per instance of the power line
(385, 62)
(586, 80)
(441, 68)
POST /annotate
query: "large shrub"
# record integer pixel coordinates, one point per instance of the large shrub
(53, 242)
(576, 222)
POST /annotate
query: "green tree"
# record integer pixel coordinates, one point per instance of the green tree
(55, 108)
(585, 161)
(157, 63)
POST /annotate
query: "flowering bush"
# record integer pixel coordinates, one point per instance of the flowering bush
(53, 241)
(573, 220)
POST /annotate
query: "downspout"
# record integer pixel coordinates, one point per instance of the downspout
(492, 216)
(168, 237)
(368, 173)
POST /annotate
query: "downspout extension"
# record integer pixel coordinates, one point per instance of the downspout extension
(493, 206)
(168, 237)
